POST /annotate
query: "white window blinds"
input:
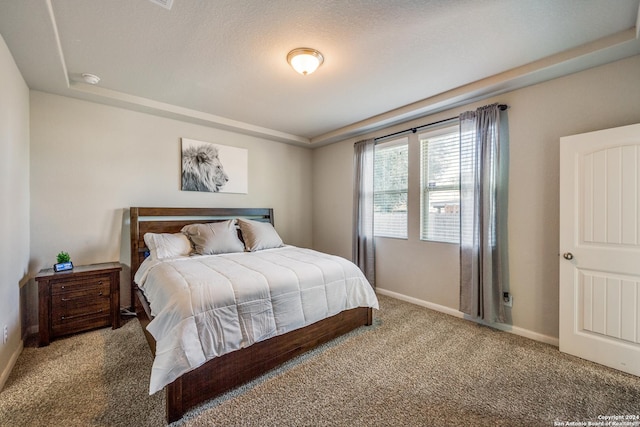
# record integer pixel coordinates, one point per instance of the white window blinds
(390, 188)
(440, 170)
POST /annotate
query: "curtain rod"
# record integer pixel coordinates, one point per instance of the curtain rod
(502, 107)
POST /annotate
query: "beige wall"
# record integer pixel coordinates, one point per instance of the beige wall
(599, 98)
(87, 163)
(14, 205)
(90, 162)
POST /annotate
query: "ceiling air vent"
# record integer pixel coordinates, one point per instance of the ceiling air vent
(164, 3)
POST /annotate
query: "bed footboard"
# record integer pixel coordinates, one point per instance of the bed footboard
(234, 369)
(241, 366)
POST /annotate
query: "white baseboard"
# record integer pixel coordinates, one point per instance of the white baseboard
(456, 313)
(4, 376)
(421, 303)
(522, 332)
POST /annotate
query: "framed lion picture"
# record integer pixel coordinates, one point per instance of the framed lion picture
(214, 168)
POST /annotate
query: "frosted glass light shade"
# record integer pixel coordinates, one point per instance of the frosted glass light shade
(305, 60)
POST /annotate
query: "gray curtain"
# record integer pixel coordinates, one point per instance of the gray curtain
(484, 163)
(363, 241)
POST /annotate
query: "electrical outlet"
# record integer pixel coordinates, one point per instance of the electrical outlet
(5, 335)
(507, 299)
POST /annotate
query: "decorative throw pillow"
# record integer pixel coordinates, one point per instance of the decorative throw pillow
(214, 237)
(259, 235)
(167, 245)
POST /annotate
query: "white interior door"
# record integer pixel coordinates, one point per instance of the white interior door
(600, 247)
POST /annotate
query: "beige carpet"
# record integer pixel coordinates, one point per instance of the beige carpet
(414, 367)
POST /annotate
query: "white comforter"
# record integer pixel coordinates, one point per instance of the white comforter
(207, 306)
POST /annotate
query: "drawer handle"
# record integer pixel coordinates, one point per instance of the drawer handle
(64, 287)
(69, 299)
(80, 315)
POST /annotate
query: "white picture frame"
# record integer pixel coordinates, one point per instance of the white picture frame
(214, 168)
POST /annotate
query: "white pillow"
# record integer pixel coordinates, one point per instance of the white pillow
(259, 235)
(166, 245)
(214, 238)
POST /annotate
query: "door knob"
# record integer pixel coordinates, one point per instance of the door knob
(568, 255)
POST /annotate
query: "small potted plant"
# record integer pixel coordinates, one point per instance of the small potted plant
(64, 262)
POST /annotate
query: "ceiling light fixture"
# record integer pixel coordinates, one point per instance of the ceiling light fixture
(92, 79)
(305, 60)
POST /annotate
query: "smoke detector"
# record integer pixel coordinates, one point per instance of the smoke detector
(91, 79)
(164, 3)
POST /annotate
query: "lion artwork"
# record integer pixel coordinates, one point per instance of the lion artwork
(202, 170)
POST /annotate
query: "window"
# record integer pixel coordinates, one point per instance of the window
(390, 185)
(440, 169)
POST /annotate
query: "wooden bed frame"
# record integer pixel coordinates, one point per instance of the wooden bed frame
(236, 368)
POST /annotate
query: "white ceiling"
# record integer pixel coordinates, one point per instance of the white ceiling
(222, 63)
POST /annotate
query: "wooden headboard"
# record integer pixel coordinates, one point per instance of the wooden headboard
(171, 220)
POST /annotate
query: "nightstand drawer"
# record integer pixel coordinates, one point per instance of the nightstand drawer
(80, 284)
(64, 307)
(80, 322)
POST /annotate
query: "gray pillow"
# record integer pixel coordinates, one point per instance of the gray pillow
(259, 235)
(214, 237)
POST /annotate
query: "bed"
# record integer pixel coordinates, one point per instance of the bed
(297, 325)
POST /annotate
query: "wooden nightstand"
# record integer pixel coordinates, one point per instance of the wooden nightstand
(84, 298)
